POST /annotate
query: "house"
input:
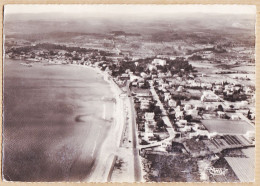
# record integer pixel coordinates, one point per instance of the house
(193, 112)
(199, 133)
(187, 107)
(143, 75)
(178, 108)
(142, 93)
(235, 117)
(210, 107)
(149, 116)
(124, 76)
(206, 85)
(183, 122)
(209, 97)
(161, 62)
(185, 129)
(161, 75)
(218, 89)
(165, 85)
(248, 90)
(140, 84)
(242, 104)
(133, 77)
(134, 84)
(154, 76)
(179, 114)
(172, 103)
(252, 116)
(167, 96)
(152, 67)
(180, 89)
(250, 135)
(228, 88)
(144, 104)
(221, 114)
(148, 128)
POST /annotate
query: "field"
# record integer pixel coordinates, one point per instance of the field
(227, 126)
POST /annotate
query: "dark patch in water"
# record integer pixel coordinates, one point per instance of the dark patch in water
(78, 118)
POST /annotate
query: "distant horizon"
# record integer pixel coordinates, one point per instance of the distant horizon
(129, 9)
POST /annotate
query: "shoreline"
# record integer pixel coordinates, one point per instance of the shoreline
(106, 156)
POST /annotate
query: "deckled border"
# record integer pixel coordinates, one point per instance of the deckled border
(230, 2)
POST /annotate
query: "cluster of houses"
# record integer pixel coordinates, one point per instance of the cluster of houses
(167, 86)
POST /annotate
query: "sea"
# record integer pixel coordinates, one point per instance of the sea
(55, 119)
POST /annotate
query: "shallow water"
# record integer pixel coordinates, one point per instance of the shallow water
(53, 121)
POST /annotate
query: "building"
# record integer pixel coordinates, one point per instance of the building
(221, 114)
(167, 96)
(209, 97)
(193, 113)
(172, 103)
(180, 89)
(185, 129)
(235, 117)
(179, 114)
(187, 107)
(143, 75)
(152, 67)
(148, 128)
(210, 107)
(134, 77)
(183, 122)
(149, 116)
(161, 62)
(144, 104)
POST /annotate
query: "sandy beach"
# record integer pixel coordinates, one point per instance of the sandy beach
(109, 149)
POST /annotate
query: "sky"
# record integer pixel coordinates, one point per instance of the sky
(130, 9)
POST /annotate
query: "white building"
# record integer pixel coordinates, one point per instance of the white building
(167, 96)
(148, 128)
(143, 75)
(144, 104)
(179, 115)
(193, 113)
(172, 103)
(209, 97)
(221, 114)
(161, 62)
(183, 122)
(235, 117)
(133, 77)
(149, 116)
(187, 107)
(180, 89)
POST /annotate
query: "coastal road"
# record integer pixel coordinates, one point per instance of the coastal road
(137, 167)
(137, 163)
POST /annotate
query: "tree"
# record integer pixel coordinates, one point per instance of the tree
(220, 108)
(172, 117)
(249, 114)
(151, 107)
(103, 58)
(157, 110)
(188, 118)
(178, 103)
(160, 124)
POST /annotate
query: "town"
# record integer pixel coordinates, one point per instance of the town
(194, 112)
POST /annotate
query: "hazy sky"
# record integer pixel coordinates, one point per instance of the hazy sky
(131, 9)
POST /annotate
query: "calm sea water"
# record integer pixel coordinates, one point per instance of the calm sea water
(54, 121)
